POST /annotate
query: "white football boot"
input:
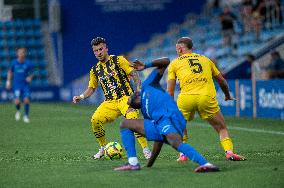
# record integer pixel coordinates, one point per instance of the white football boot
(100, 154)
(18, 116)
(26, 119)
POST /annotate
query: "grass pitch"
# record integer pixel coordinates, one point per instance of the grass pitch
(55, 150)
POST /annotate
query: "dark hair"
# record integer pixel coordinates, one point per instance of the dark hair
(187, 41)
(133, 103)
(275, 53)
(21, 47)
(96, 41)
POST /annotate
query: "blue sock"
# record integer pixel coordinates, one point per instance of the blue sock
(192, 154)
(18, 106)
(128, 141)
(27, 109)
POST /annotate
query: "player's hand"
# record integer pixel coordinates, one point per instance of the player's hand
(138, 65)
(8, 84)
(230, 99)
(76, 99)
(28, 79)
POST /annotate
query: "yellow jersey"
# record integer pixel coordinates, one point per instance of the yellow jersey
(113, 77)
(194, 72)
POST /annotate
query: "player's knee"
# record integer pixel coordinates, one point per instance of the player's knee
(96, 122)
(124, 124)
(174, 140)
(26, 101)
(17, 101)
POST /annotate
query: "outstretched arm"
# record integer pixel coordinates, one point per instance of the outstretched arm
(160, 63)
(224, 86)
(155, 152)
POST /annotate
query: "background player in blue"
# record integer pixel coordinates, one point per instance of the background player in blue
(19, 76)
(162, 123)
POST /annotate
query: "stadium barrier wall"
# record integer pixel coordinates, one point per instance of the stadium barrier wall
(260, 99)
(254, 99)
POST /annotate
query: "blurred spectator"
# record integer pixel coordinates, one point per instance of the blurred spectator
(246, 14)
(227, 22)
(251, 67)
(276, 68)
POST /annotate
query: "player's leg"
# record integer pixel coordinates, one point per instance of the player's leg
(218, 123)
(209, 110)
(127, 129)
(17, 101)
(175, 140)
(106, 112)
(26, 95)
(130, 113)
(187, 105)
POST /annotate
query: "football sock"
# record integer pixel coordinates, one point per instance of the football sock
(185, 136)
(27, 109)
(133, 160)
(141, 139)
(99, 132)
(192, 154)
(227, 144)
(18, 107)
(128, 141)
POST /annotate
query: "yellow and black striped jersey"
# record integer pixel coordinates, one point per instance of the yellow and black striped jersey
(195, 73)
(113, 77)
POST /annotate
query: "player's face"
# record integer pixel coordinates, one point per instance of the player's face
(100, 51)
(134, 101)
(21, 54)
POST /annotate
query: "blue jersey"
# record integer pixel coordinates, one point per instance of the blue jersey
(20, 72)
(156, 103)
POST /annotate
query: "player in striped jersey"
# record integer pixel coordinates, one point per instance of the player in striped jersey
(112, 72)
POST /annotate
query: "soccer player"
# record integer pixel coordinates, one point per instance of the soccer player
(162, 123)
(21, 73)
(112, 72)
(195, 74)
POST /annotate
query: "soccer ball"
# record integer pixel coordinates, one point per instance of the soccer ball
(113, 150)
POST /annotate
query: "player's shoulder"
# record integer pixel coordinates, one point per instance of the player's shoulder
(92, 69)
(121, 58)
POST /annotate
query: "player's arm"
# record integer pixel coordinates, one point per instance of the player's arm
(155, 152)
(87, 93)
(30, 74)
(134, 75)
(224, 86)
(171, 85)
(160, 63)
(93, 84)
(9, 79)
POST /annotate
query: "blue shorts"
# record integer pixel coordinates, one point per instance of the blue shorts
(157, 131)
(21, 93)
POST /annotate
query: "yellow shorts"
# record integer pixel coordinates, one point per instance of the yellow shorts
(108, 111)
(206, 106)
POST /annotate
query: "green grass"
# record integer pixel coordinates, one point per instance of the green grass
(55, 150)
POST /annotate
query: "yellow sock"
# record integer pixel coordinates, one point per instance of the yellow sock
(142, 140)
(227, 144)
(185, 136)
(99, 132)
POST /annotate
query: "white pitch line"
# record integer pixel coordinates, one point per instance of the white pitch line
(244, 129)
